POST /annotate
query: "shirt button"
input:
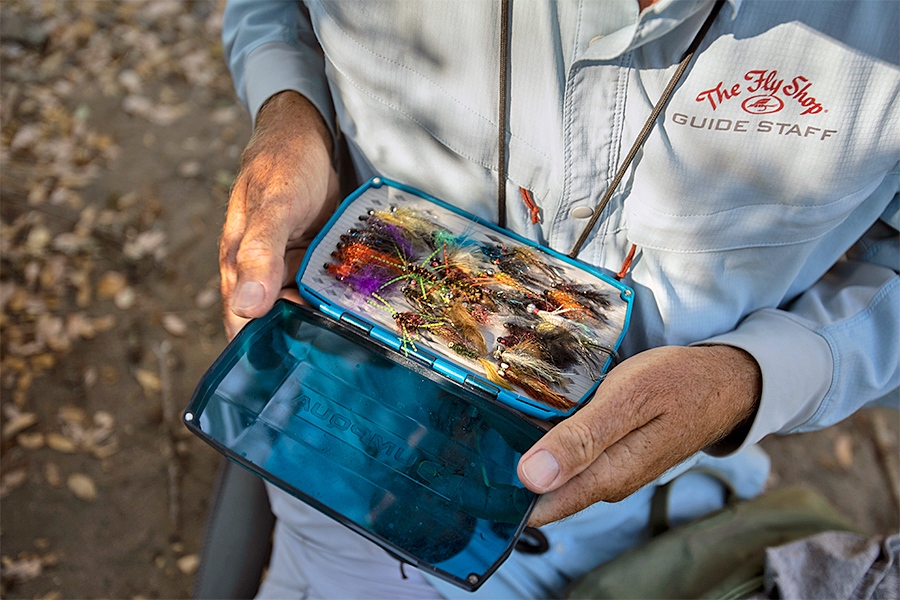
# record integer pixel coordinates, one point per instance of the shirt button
(582, 212)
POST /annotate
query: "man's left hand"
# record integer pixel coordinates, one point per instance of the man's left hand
(651, 412)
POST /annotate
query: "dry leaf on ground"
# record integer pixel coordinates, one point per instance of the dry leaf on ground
(61, 443)
(21, 570)
(843, 450)
(110, 284)
(125, 299)
(72, 414)
(175, 325)
(31, 441)
(82, 486)
(188, 564)
(149, 381)
(12, 480)
(19, 423)
(207, 298)
(52, 474)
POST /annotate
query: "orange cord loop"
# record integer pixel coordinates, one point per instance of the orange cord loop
(627, 264)
(529, 202)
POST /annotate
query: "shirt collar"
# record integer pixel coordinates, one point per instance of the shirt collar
(613, 27)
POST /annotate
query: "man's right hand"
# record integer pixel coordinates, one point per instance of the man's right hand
(286, 190)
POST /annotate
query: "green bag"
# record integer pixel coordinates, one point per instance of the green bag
(718, 556)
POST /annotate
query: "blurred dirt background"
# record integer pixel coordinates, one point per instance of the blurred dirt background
(119, 138)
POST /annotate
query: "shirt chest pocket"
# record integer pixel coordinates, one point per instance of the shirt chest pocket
(723, 212)
(763, 146)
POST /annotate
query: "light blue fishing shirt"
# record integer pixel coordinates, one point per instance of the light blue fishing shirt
(764, 205)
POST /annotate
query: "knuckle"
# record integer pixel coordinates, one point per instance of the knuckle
(228, 245)
(226, 257)
(272, 202)
(620, 460)
(619, 494)
(579, 442)
(258, 188)
(252, 252)
(609, 484)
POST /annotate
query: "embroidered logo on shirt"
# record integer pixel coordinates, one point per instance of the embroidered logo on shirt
(762, 105)
(762, 92)
(775, 91)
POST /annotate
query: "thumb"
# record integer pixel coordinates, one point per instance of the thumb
(260, 263)
(564, 452)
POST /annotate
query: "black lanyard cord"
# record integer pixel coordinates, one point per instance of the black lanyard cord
(504, 106)
(648, 126)
(641, 138)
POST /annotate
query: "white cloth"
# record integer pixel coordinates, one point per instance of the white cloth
(834, 564)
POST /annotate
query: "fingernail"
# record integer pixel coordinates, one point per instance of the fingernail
(249, 295)
(540, 469)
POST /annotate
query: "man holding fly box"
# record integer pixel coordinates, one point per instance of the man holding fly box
(757, 225)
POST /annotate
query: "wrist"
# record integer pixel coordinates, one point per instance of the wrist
(289, 111)
(740, 378)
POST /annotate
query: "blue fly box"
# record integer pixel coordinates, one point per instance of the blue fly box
(438, 350)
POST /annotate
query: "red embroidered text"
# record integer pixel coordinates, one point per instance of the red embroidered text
(766, 93)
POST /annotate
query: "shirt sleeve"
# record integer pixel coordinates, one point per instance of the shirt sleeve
(833, 350)
(270, 47)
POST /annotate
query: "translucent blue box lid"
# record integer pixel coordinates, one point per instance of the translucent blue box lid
(416, 462)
